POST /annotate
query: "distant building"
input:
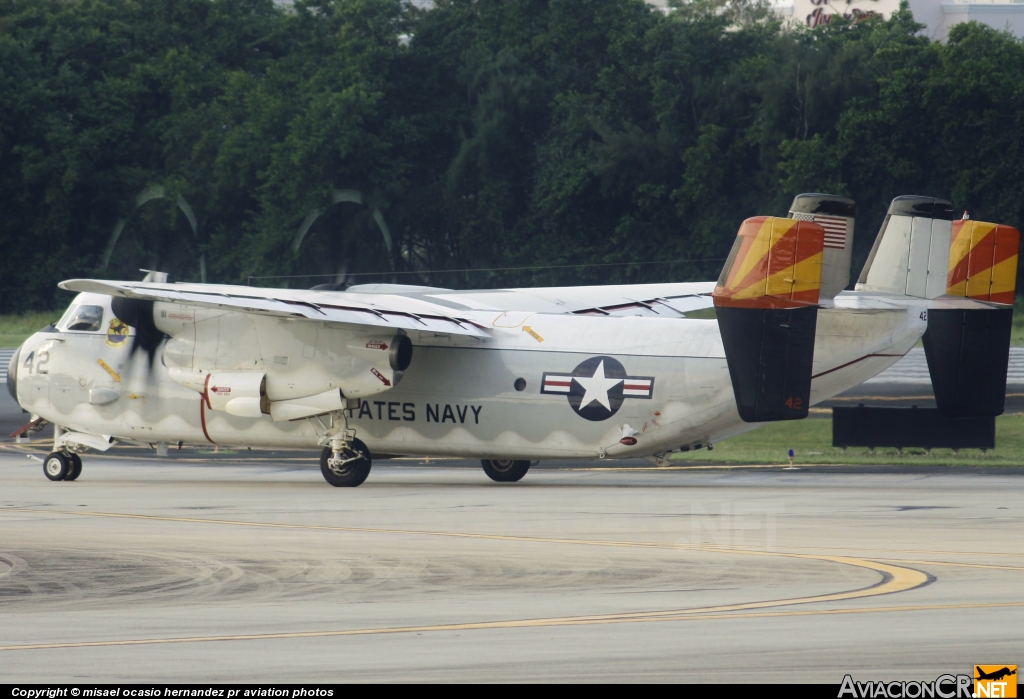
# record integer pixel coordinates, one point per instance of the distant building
(938, 16)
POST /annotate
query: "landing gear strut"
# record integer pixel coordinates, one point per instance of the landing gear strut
(505, 470)
(345, 464)
(59, 466)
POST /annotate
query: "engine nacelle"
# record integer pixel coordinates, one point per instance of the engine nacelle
(293, 359)
(378, 364)
(242, 393)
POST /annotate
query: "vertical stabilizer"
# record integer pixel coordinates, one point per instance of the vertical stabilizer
(983, 261)
(766, 302)
(911, 253)
(836, 215)
(968, 348)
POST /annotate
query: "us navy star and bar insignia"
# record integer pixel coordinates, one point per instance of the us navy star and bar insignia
(597, 386)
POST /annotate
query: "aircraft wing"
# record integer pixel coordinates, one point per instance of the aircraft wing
(657, 300)
(377, 310)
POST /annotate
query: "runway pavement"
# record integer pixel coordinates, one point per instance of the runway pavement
(248, 567)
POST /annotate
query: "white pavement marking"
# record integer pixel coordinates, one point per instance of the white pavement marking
(5, 357)
(913, 369)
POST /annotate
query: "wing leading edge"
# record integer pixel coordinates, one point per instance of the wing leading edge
(388, 311)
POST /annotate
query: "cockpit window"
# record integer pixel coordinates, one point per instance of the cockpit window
(68, 315)
(85, 319)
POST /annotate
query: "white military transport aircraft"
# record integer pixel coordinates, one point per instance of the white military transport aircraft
(514, 375)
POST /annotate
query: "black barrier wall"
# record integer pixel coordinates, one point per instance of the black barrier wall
(910, 427)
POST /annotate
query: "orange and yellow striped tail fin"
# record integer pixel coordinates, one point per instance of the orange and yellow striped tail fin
(983, 261)
(774, 263)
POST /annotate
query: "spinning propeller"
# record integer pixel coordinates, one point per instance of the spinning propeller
(138, 314)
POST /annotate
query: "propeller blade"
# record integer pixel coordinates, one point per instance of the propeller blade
(138, 314)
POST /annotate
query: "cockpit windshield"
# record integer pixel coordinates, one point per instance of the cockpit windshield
(83, 319)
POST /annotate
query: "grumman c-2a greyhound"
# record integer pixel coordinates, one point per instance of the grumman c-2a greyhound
(514, 375)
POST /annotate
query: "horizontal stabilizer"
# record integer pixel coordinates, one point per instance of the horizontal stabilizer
(766, 301)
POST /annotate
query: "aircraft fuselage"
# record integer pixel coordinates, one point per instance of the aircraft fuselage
(542, 386)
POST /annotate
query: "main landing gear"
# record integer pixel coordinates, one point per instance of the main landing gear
(59, 466)
(505, 470)
(345, 464)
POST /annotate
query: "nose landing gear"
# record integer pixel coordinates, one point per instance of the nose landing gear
(59, 466)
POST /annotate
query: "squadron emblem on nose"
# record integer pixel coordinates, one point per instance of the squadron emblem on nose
(117, 333)
(597, 387)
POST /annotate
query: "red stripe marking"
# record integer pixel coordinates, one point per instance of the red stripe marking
(202, 417)
(206, 394)
(843, 366)
(794, 246)
(549, 382)
(986, 253)
(981, 254)
(637, 386)
(784, 251)
(1007, 242)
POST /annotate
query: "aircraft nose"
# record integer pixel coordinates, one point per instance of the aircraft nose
(12, 375)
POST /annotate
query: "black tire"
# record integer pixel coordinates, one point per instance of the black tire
(76, 468)
(505, 470)
(350, 474)
(56, 466)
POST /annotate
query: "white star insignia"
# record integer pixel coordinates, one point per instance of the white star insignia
(596, 387)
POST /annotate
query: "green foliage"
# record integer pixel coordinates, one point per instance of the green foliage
(15, 329)
(811, 440)
(485, 133)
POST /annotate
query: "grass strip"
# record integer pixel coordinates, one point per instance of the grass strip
(811, 440)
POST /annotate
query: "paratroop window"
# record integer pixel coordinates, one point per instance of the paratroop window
(85, 319)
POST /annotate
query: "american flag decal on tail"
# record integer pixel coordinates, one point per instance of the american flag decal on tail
(835, 230)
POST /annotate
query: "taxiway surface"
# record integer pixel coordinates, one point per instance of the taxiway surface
(251, 568)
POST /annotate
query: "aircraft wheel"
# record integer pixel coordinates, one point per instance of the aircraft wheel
(349, 474)
(505, 470)
(56, 466)
(75, 469)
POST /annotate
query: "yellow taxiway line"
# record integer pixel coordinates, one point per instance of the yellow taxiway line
(695, 615)
(998, 554)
